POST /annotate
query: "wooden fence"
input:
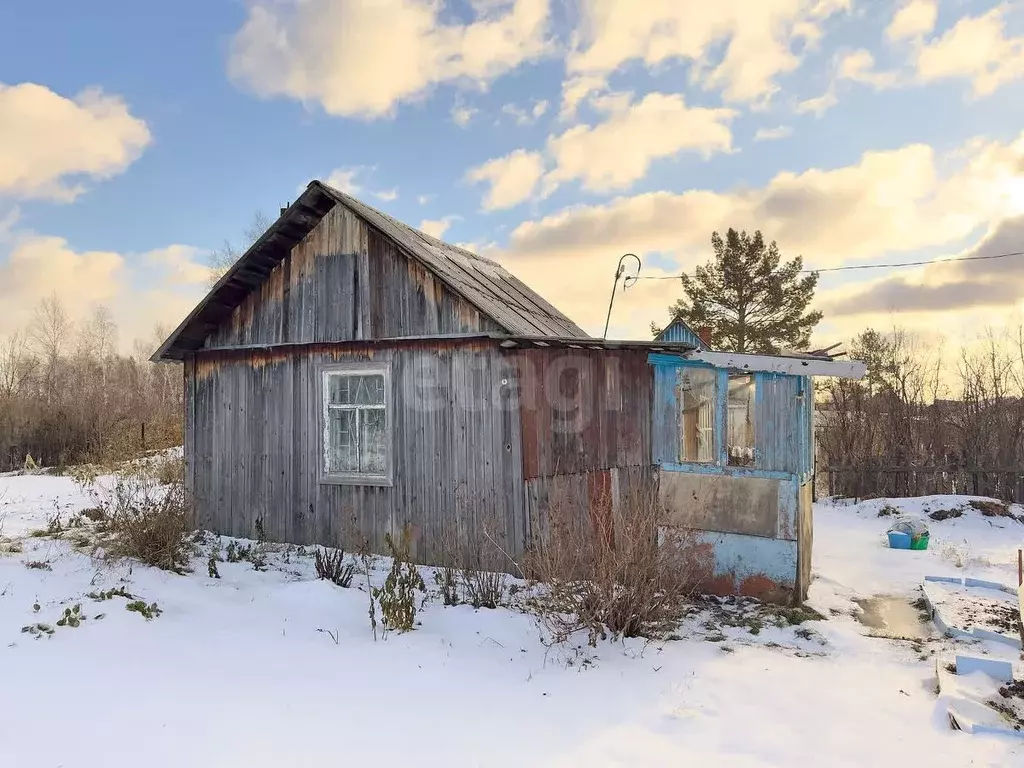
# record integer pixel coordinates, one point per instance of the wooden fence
(865, 481)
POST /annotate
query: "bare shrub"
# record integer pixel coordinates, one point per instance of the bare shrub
(168, 470)
(484, 589)
(147, 520)
(620, 575)
(331, 566)
(470, 567)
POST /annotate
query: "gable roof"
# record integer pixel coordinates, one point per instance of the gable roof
(679, 330)
(495, 292)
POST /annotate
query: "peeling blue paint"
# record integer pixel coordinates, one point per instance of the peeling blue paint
(783, 451)
(741, 557)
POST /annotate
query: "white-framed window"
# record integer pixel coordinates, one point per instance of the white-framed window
(356, 425)
(697, 390)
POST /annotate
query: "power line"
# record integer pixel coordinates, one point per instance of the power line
(867, 266)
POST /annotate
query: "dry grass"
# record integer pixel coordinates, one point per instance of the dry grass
(148, 520)
(615, 574)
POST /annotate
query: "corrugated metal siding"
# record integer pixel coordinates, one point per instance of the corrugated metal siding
(584, 410)
(346, 281)
(457, 465)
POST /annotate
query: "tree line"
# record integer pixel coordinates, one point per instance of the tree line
(69, 395)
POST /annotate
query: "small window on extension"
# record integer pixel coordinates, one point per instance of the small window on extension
(740, 420)
(695, 389)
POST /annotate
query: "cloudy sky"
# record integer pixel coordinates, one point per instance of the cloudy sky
(553, 135)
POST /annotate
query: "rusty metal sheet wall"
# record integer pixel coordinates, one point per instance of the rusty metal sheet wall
(347, 281)
(589, 496)
(584, 410)
(456, 448)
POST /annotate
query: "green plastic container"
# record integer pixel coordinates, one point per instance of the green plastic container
(919, 542)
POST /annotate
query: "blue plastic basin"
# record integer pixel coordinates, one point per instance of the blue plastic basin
(899, 540)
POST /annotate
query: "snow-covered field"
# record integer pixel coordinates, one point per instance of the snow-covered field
(236, 670)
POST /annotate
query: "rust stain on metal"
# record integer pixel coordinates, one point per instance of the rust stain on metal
(758, 585)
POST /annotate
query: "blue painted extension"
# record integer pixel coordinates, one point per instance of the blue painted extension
(742, 557)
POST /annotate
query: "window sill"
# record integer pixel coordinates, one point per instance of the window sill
(374, 480)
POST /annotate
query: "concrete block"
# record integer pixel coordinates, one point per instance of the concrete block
(995, 668)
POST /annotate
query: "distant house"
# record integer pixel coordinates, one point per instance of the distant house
(352, 374)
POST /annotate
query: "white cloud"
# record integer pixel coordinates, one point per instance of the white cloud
(524, 116)
(976, 48)
(362, 58)
(818, 105)
(141, 290)
(771, 134)
(620, 150)
(181, 265)
(915, 19)
(944, 285)
(512, 178)
(424, 199)
(578, 89)
(889, 202)
(462, 115)
(349, 180)
(437, 227)
(39, 266)
(344, 180)
(859, 66)
(50, 144)
(757, 39)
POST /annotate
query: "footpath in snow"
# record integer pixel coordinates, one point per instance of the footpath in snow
(275, 668)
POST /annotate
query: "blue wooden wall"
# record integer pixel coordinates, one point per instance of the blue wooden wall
(783, 428)
(783, 451)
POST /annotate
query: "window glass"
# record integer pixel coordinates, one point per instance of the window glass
(355, 424)
(696, 397)
(740, 420)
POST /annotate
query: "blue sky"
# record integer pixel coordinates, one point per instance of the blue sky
(237, 124)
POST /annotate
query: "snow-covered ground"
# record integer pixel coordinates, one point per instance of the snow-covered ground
(236, 670)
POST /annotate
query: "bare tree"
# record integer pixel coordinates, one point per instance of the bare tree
(222, 259)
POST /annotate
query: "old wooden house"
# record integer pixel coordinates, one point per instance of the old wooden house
(352, 375)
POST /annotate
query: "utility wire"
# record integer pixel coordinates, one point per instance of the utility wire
(866, 266)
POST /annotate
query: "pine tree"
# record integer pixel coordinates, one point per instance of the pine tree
(750, 302)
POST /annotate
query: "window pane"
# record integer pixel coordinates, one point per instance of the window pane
(342, 443)
(355, 389)
(373, 452)
(695, 390)
(740, 440)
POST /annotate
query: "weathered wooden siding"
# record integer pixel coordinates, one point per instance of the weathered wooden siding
(346, 281)
(584, 410)
(456, 439)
